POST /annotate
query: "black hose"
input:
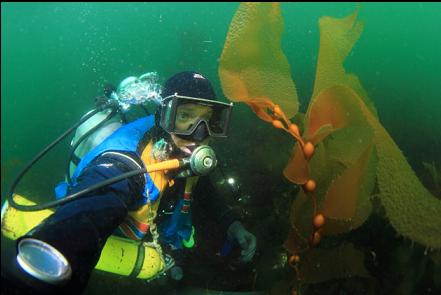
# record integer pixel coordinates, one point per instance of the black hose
(82, 193)
(76, 195)
(45, 151)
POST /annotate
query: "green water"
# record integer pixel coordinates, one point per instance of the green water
(55, 58)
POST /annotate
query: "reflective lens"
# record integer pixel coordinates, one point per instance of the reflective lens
(181, 115)
(43, 261)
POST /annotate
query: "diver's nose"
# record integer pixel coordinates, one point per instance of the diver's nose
(201, 132)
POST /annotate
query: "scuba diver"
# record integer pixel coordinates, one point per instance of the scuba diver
(156, 206)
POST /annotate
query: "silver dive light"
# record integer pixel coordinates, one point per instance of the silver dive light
(43, 262)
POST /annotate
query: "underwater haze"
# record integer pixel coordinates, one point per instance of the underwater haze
(57, 57)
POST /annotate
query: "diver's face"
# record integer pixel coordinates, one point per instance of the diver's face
(189, 114)
(186, 116)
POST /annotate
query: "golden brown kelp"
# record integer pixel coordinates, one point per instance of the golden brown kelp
(344, 153)
(337, 38)
(342, 166)
(404, 198)
(253, 68)
(320, 265)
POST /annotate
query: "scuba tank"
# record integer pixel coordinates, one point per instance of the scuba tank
(132, 91)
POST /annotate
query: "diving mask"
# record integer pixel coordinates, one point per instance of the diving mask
(183, 115)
